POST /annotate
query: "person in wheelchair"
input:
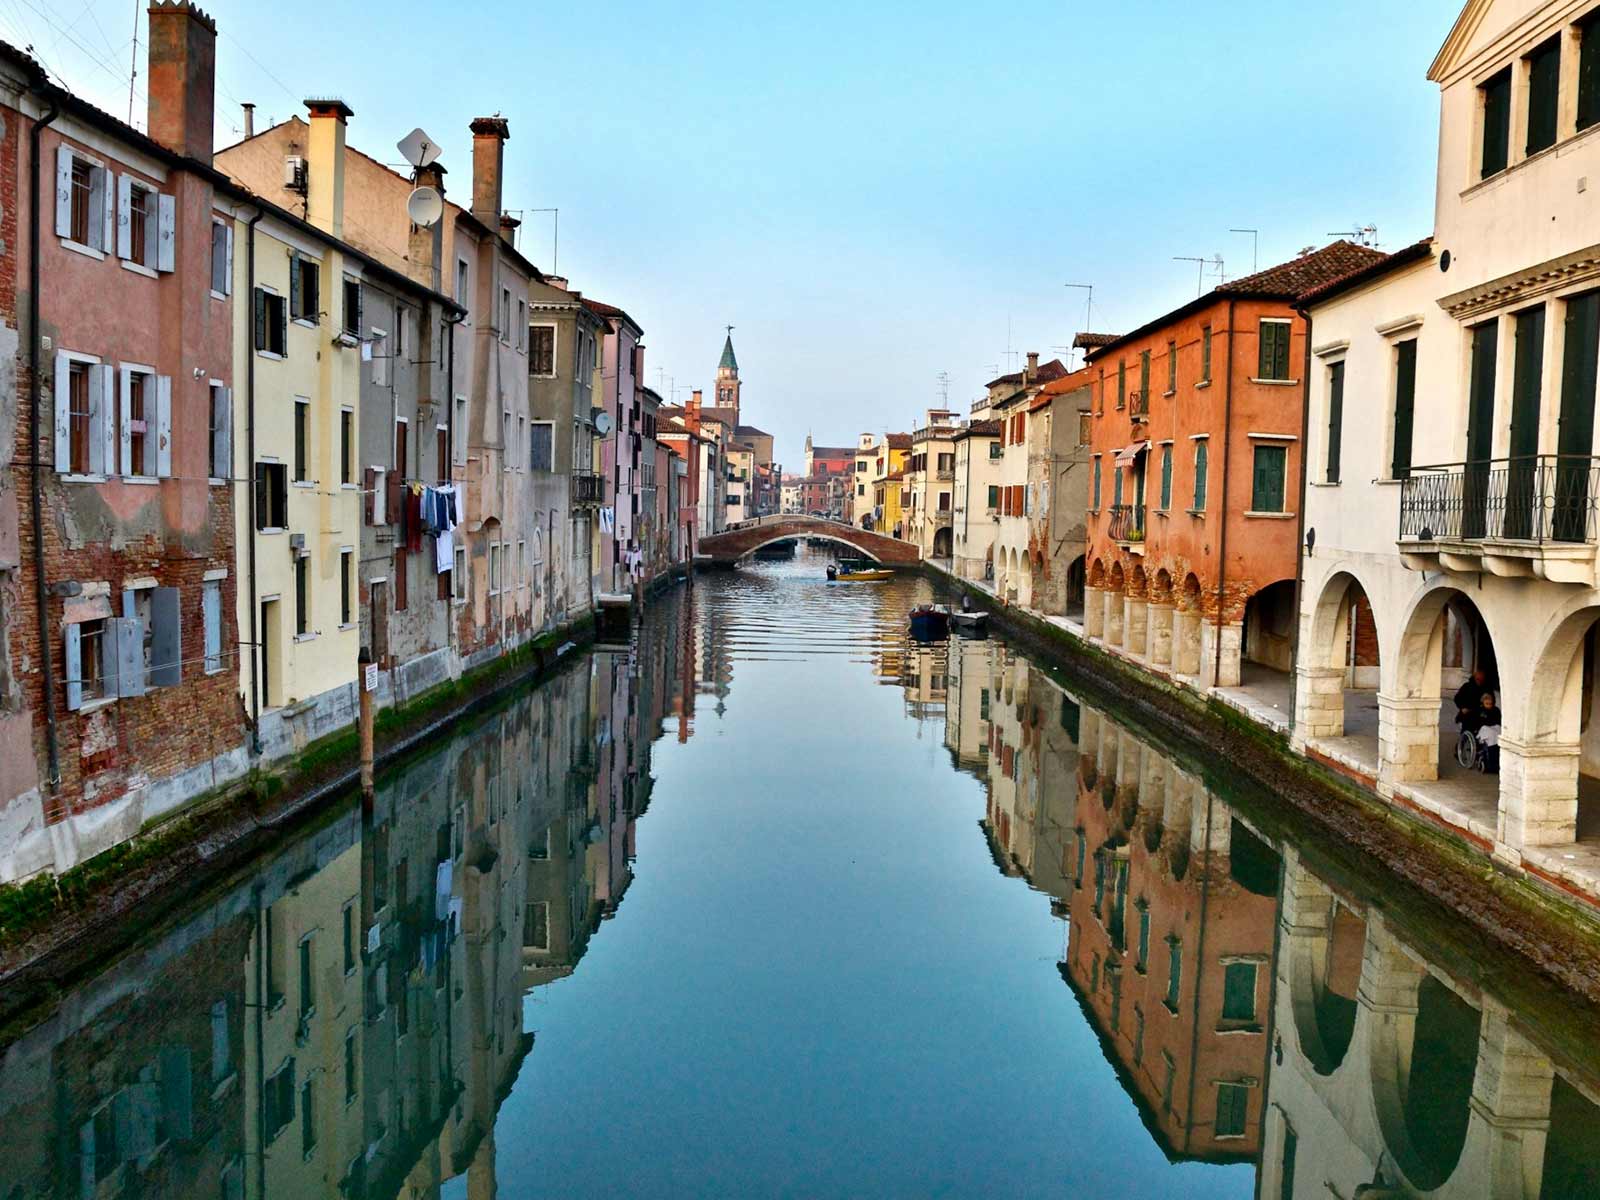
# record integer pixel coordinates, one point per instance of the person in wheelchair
(1469, 701)
(1488, 734)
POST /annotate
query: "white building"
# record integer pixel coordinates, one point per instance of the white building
(977, 498)
(1450, 515)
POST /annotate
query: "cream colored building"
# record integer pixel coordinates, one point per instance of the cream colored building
(1451, 461)
(930, 484)
(977, 498)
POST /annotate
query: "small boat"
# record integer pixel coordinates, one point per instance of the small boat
(969, 622)
(930, 622)
(856, 572)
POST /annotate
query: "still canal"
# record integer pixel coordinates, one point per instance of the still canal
(771, 902)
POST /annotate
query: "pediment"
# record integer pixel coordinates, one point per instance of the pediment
(1462, 37)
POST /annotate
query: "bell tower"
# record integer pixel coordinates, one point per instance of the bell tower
(728, 378)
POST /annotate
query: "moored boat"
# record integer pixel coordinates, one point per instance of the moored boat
(930, 622)
(851, 571)
(969, 622)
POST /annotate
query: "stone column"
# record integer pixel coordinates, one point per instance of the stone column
(1538, 796)
(1318, 702)
(1187, 643)
(1408, 739)
(1094, 612)
(1511, 1088)
(1135, 627)
(1159, 633)
(1219, 670)
(1114, 618)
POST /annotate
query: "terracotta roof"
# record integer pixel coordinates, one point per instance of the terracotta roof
(890, 478)
(1054, 369)
(898, 441)
(978, 429)
(751, 431)
(1369, 271)
(1092, 341)
(1286, 282)
(833, 452)
(610, 310)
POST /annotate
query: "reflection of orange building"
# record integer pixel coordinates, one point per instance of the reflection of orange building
(1170, 944)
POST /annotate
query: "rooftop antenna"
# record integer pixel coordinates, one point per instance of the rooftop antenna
(1255, 246)
(1088, 313)
(944, 388)
(424, 206)
(133, 65)
(555, 235)
(1361, 235)
(1200, 283)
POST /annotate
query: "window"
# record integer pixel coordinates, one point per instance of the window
(211, 617)
(1335, 418)
(1274, 361)
(522, 324)
(402, 586)
(1144, 376)
(541, 448)
(1095, 502)
(1266, 486)
(302, 595)
(347, 445)
(508, 448)
(1544, 95)
(350, 1065)
(1589, 70)
(81, 416)
(1286, 1163)
(1405, 396)
(305, 290)
(462, 279)
(1496, 106)
(220, 463)
(1122, 384)
(302, 441)
(136, 228)
(1172, 366)
(272, 496)
(308, 1121)
(1166, 478)
(86, 662)
(521, 576)
(352, 307)
(278, 1102)
(1200, 456)
(522, 433)
(83, 188)
(1205, 354)
(505, 314)
(271, 316)
(221, 258)
(1239, 991)
(308, 985)
(994, 497)
(1174, 972)
(1138, 1035)
(536, 926)
(1233, 1101)
(542, 353)
(1144, 936)
(84, 213)
(494, 567)
(458, 574)
(382, 356)
(347, 614)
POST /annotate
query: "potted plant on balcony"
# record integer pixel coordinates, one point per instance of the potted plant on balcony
(1136, 535)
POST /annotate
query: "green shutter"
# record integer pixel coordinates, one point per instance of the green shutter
(1096, 483)
(1544, 95)
(1116, 486)
(1174, 972)
(1122, 383)
(1144, 376)
(1405, 396)
(1589, 71)
(1266, 494)
(1496, 123)
(1239, 992)
(1200, 476)
(1264, 353)
(1205, 354)
(1172, 366)
(261, 319)
(1166, 478)
(1335, 419)
(1232, 1106)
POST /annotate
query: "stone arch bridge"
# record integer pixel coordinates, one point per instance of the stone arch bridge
(728, 547)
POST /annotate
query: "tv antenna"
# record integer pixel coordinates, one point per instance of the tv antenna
(424, 206)
(1361, 235)
(1255, 246)
(1214, 261)
(944, 388)
(555, 234)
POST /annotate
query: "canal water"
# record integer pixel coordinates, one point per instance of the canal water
(773, 902)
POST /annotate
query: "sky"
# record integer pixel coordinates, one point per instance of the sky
(873, 194)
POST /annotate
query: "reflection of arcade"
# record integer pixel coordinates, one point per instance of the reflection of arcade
(1170, 943)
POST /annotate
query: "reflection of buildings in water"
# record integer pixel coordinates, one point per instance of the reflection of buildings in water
(925, 681)
(966, 731)
(1170, 943)
(349, 1018)
(1393, 1072)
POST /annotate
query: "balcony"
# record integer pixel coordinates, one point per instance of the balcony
(587, 488)
(1522, 518)
(945, 474)
(1126, 526)
(941, 518)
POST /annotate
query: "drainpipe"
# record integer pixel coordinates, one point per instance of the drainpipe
(1222, 540)
(1300, 520)
(452, 320)
(1199, 965)
(250, 484)
(41, 594)
(259, 1013)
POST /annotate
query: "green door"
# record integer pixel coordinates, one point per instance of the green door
(1572, 520)
(1523, 520)
(1480, 431)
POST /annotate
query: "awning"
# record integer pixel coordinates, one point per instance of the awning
(1127, 454)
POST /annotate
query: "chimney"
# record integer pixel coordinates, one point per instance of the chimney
(1033, 366)
(249, 119)
(691, 412)
(325, 164)
(426, 246)
(182, 71)
(508, 230)
(557, 281)
(489, 135)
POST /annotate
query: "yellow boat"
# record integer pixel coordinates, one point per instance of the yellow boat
(857, 572)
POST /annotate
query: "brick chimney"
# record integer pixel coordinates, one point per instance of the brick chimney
(508, 230)
(325, 164)
(182, 70)
(691, 412)
(425, 248)
(489, 136)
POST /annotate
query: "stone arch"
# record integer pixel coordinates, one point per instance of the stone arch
(1324, 970)
(1186, 628)
(1116, 590)
(942, 543)
(1413, 723)
(1161, 587)
(1342, 654)
(1097, 573)
(1266, 637)
(1076, 578)
(1138, 581)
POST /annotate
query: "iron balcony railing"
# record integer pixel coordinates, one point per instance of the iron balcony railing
(1127, 523)
(1536, 498)
(941, 516)
(946, 474)
(586, 488)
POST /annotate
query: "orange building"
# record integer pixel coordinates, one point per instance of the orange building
(1194, 476)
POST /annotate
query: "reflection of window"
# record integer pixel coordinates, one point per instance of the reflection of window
(1174, 971)
(278, 1100)
(536, 926)
(1233, 1101)
(1239, 992)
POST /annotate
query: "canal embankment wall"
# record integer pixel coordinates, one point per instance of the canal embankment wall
(56, 928)
(1555, 931)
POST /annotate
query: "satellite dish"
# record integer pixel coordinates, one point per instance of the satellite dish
(602, 423)
(425, 206)
(418, 148)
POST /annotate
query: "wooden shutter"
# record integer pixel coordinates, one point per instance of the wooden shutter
(227, 289)
(1205, 353)
(222, 435)
(297, 303)
(394, 498)
(63, 403)
(73, 639)
(262, 497)
(1496, 123)
(1267, 493)
(1166, 477)
(211, 618)
(261, 319)
(1335, 419)
(1264, 352)
(166, 638)
(1405, 395)
(1096, 483)
(64, 191)
(166, 258)
(177, 1093)
(1589, 71)
(126, 650)
(102, 453)
(283, 329)
(1544, 95)
(102, 217)
(1200, 456)
(1575, 436)
(124, 216)
(163, 425)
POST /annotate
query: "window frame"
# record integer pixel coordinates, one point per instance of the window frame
(535, 329)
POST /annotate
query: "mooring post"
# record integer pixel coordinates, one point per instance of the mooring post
(366, 680)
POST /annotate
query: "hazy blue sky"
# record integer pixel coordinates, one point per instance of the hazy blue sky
(872, 193)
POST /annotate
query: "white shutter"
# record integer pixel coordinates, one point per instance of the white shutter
(74, 643)
(124, 216)
(166, 638)
(222, 443)
(227, 287)
(127, 650)
(125, 420)
(166, 232)
(99, 420)
(63, 400)
(163, 425)
(101, 216)
(379, 492)
(211, 612)
(63, 191)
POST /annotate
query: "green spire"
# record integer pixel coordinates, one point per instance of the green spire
(729, 362)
